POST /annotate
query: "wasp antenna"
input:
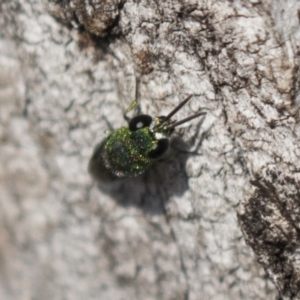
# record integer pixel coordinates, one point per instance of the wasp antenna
(187, 119)
(176, 109)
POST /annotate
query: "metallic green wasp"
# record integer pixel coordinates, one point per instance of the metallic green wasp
(130, 150)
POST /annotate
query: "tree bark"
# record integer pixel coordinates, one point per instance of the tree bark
(69, 69)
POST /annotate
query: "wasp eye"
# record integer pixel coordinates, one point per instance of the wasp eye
(159, 149)
(139, 122)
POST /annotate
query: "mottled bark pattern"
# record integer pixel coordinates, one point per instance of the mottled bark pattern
(68, 72)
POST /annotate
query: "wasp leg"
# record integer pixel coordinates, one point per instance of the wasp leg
(133, 104)
(110, 127)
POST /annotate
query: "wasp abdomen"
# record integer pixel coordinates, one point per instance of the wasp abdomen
(123, 154)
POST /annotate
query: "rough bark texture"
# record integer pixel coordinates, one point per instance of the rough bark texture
(68, 72)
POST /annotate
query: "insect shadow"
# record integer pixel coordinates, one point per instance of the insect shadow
(167, 177)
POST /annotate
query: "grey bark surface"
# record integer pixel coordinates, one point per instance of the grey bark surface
(69, 69)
